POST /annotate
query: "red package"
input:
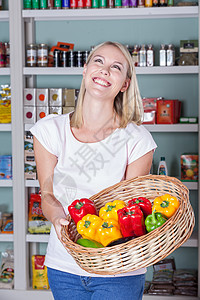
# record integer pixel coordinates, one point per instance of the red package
(168, 111)
(150, 109)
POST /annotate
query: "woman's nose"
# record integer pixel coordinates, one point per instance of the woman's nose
(105, 71)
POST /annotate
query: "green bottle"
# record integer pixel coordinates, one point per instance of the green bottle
(27, 4)
(35, 4)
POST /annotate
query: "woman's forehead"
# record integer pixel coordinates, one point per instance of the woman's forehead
(110, 51)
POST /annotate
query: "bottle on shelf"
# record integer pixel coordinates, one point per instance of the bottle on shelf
(162, 167)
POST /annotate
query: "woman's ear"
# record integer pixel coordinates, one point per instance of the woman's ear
(125, 85)
(84, 70)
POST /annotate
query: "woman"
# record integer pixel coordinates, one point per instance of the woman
(81, 153)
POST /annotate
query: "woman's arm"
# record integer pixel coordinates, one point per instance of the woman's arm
(51, 207)
(140, 167)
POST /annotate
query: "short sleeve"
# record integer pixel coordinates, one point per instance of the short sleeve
(46, 132)
(139, 143)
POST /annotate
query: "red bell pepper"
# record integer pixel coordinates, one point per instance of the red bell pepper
(80, 208)
(143, 203)
(131, 221)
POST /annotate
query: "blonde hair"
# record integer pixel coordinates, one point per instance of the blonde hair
(127, 105)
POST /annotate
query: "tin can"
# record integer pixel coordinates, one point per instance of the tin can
(141, 3)
(64, 59)
(2, 55)
(170, 2)
(35, 4)
(95, 3)
(163, 56)
(43, 4)
(118, 3)
(73, 4)
(78, 59)
(163, 2)
(85, 55)
(80, 4)
(42, 55)
(150, 56)
(155, 3)
(50, 4)
(133, 3)
(148, 3)
(27, 4)
(102, 3)
(31, 59)
(135, 55)
(1, 4)
(110, 4)
(170, 55)
(65, 4)
(7, 54)
(125, 3)
(143, 56)
(57, 4)
(70, 59)
(56, 58)
(88, 3)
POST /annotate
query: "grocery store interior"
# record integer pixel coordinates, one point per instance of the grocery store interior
(42, 52)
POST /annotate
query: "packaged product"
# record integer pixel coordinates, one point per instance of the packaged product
(5, 167)
(40, 279)
(150, 110)
(29, 114)
(5, 104)
(189, 167)
(69, 97)
(30, 171)
(8, 227)
(185, 282)
(55, 97)
(41, 112)
(30, 97)
(168, 111)
(7, 270)
(37, 223)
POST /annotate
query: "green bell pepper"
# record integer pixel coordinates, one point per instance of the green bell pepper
(89, 243)
(154, 221)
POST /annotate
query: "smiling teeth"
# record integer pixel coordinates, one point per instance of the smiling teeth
(101, 82)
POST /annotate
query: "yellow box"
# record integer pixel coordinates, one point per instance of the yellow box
(5, 111)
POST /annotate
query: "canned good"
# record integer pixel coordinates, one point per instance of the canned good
(163, 56)
(42, 57)
(7, 54)
(64, 59)
(141, 3)
(125, 3)
(35, 4)
(57, 4)
(103, 3)
(27, 4)
(73, 4)
(170, 55)
(2, 55)
(1, 4)
(80, 4)
(118, 3)
(88, 3)
(142, 56)
(110, 4)
(78, 59)
(150, 56)
(31, 55)
(85, 55)
(135, 55)
(133, 3)
(148, 3)
(50, 4)
(43, 4)
(70, 59)
(65, 4)
(57, 60)
(95, 3)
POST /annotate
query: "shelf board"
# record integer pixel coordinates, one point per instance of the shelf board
(191, 185)
(112, 13)
(139, 70)
(6, 183)
(4, 71)
(5, 127)
(32, 183)
(192, 241)
(37, 238)
(4, 15)
(172, 127)
(6, 237)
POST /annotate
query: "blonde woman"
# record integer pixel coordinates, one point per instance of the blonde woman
(78, 154)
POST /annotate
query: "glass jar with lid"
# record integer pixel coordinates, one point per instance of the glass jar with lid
(31, 57)
(42, 55)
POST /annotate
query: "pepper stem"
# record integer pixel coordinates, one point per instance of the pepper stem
(79, 205)
(153, 217)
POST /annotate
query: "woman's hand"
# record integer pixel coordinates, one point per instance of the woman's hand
(57, 223)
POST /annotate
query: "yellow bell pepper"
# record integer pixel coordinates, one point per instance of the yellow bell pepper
(109, 211)
(108, 231)
(88, 225)
(166, 204)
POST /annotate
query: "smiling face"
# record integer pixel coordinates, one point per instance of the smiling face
(106, 73)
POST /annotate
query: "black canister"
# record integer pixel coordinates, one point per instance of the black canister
(70, 59)
(56, 57)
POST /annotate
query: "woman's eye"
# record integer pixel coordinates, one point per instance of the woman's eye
(98, 60)
(117, 67)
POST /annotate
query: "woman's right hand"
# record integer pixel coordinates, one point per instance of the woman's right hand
(57, 223)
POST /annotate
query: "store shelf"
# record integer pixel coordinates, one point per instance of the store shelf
(4, 71)
(32, 183)
(172, 127)
(6, 238)
(191, 185)
(4, 15)
(6, 183)
(5, 127)
(37, 238)
(112, 13)
(28, 71)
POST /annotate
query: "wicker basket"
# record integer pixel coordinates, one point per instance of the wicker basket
(142, 251)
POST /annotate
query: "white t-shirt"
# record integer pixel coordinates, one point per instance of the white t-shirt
(84, 169)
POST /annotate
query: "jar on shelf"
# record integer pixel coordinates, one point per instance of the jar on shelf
(31, 59)
(135, 55)
(7, 54)
(163, 56)
(2, 55)
(42, 55)
(170, 55)
(150, 56)
(1, 4)
(143, 56)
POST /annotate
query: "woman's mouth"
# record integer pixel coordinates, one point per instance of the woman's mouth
(101, 81)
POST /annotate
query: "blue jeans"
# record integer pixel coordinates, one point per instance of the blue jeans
(66, 286)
